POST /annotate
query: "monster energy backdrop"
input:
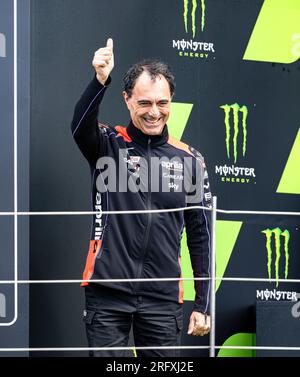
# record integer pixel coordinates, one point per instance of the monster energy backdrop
(14, 110)
(237, 69)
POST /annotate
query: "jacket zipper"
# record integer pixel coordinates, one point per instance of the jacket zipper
(149, 217)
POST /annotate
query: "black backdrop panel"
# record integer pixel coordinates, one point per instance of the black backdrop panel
(14, 111)
(277, 325)
(64, 36)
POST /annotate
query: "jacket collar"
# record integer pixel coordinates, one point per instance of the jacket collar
(139, 137)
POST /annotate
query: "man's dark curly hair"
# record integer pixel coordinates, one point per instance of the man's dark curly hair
(154, 68)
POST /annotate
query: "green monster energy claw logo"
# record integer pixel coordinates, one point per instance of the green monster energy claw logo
(277, 234)
(186, 4)
(235, 109)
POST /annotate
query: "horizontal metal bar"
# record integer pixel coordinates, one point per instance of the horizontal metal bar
(79, 213)
(135, 212)
(275, 213)
(67, 349)
(66, 281)
(70, 281)
(64, 349)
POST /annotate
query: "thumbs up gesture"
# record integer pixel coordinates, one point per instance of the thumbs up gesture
(103, 61)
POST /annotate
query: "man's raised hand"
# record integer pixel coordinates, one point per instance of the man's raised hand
(103, 61)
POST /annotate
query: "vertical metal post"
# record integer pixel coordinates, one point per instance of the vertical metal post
(212, 341)
(15, 159)
(15, 73)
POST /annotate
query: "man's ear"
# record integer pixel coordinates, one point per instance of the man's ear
(126, 97)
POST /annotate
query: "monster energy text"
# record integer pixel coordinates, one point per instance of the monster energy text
(193, 20)
(235, 174)
(266, 294)
(278, 234)
(233, 128)
(193, 49)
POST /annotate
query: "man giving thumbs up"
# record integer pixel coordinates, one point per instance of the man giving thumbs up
(141, 249)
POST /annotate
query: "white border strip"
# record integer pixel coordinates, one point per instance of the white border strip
(15, 213)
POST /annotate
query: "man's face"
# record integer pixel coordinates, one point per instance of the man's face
(149, 105)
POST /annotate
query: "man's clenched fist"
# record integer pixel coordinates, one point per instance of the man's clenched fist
(199, 324)
(103, 61)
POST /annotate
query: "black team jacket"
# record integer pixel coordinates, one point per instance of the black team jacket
(143, 245)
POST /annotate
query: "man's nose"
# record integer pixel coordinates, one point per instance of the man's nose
(154, 111)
